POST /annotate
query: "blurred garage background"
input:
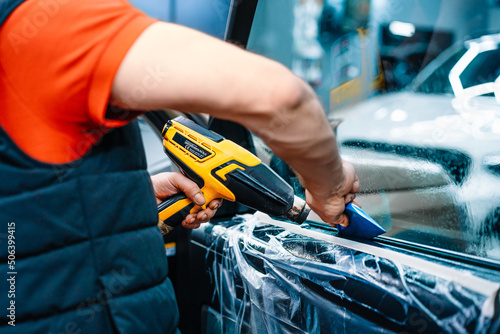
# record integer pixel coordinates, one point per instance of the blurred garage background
(209, 16)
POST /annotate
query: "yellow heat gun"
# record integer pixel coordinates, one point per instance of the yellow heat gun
(223, 169)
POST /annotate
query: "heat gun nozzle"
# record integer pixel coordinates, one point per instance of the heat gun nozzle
(299, 211)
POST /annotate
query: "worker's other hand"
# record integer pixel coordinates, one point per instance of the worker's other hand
(168, 184)
(330, 208)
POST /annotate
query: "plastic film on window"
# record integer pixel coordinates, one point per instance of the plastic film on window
(271, 280)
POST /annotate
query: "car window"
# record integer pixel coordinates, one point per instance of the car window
(402, 86)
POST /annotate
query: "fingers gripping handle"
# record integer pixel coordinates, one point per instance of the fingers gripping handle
(173, 211)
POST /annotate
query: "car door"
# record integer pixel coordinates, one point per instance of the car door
(248, 272)
(436, 270)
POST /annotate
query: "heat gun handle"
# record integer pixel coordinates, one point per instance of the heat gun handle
(173, 211)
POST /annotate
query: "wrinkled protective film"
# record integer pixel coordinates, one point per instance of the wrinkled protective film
(271, 280)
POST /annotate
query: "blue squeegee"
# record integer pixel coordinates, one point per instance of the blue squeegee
(361, 225)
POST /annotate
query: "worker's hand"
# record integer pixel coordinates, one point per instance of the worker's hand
(331, 208)
(168, 184)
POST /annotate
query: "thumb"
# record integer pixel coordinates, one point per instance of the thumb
(168, 184)
(330, 209)
(342, 220)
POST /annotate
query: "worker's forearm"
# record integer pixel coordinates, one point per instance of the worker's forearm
(295, 127)
(179, 68)
(307, 142)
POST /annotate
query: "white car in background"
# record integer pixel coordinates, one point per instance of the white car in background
(428, 157)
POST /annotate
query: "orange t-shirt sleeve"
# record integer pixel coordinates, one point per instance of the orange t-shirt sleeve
(58, 60)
